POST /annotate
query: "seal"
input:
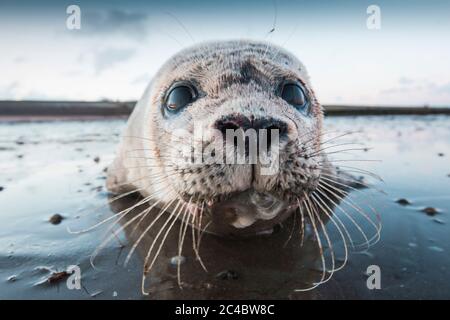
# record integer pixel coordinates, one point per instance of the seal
(224, 85)
(234, 93)
(221, 86)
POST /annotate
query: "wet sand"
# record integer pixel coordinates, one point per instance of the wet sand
(50, 168)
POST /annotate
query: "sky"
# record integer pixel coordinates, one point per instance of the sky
(121, 44)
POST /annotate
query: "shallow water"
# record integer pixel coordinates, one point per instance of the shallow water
(52, 167)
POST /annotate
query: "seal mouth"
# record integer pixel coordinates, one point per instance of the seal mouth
(245, 208)
(251, 210)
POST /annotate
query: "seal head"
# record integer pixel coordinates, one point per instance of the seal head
(176, 149)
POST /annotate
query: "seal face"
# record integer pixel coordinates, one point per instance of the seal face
(221, 88)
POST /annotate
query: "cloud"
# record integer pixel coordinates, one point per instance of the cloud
(109, 57)
(9, 91)
(408, 85)
(131, 24)
(443, 89)
(421, 91)
(19, 91)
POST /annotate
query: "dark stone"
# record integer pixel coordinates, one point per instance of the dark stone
(403, 202)
(430, 211)
(227, 275)
(56, 218)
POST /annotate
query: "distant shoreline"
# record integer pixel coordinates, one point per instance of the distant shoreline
(86, 110)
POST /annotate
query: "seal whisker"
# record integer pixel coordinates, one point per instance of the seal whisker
(339, 145)
(319, 190)
(109, 202)
(174, 215)
(102, 245)
(151, 207)
(319, 243)
(159, 175)
(351, 160)
(368, 241)
(199, 227)
(146, 158)
(352, 204)
(318, 138)
(302, 229)
(195, 244)
(316, 215)
(362, 171)
(182, 233)
(148, 267)
(174, 17)
(316, 199)
(123, 212)
(353, 181)
(292, 229)
(136, 243)
(330, 214)
(337, 151)
(340, 136)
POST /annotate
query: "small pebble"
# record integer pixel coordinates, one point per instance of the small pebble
(227, 275)
(96, 293)
(430, 211)
(98, 189)
(2, 188)
(208, 285)
(12, 278)
(403, 202)
(174, 261)
(57, 276)
(440, 154)
(56, 218)
(439, 221)
(97, 159)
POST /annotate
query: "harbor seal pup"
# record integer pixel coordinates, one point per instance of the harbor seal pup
(225, 89)
(220, 86)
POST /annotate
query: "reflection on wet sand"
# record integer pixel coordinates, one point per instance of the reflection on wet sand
(48, 168)
(261, 267)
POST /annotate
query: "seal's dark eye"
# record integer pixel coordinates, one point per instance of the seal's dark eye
(293, 94)
(179, 97)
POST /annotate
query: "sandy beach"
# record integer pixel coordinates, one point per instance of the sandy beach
(56, 167)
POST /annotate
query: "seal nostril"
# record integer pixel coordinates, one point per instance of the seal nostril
(224, 125)
(270, 124)
(235, 121)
